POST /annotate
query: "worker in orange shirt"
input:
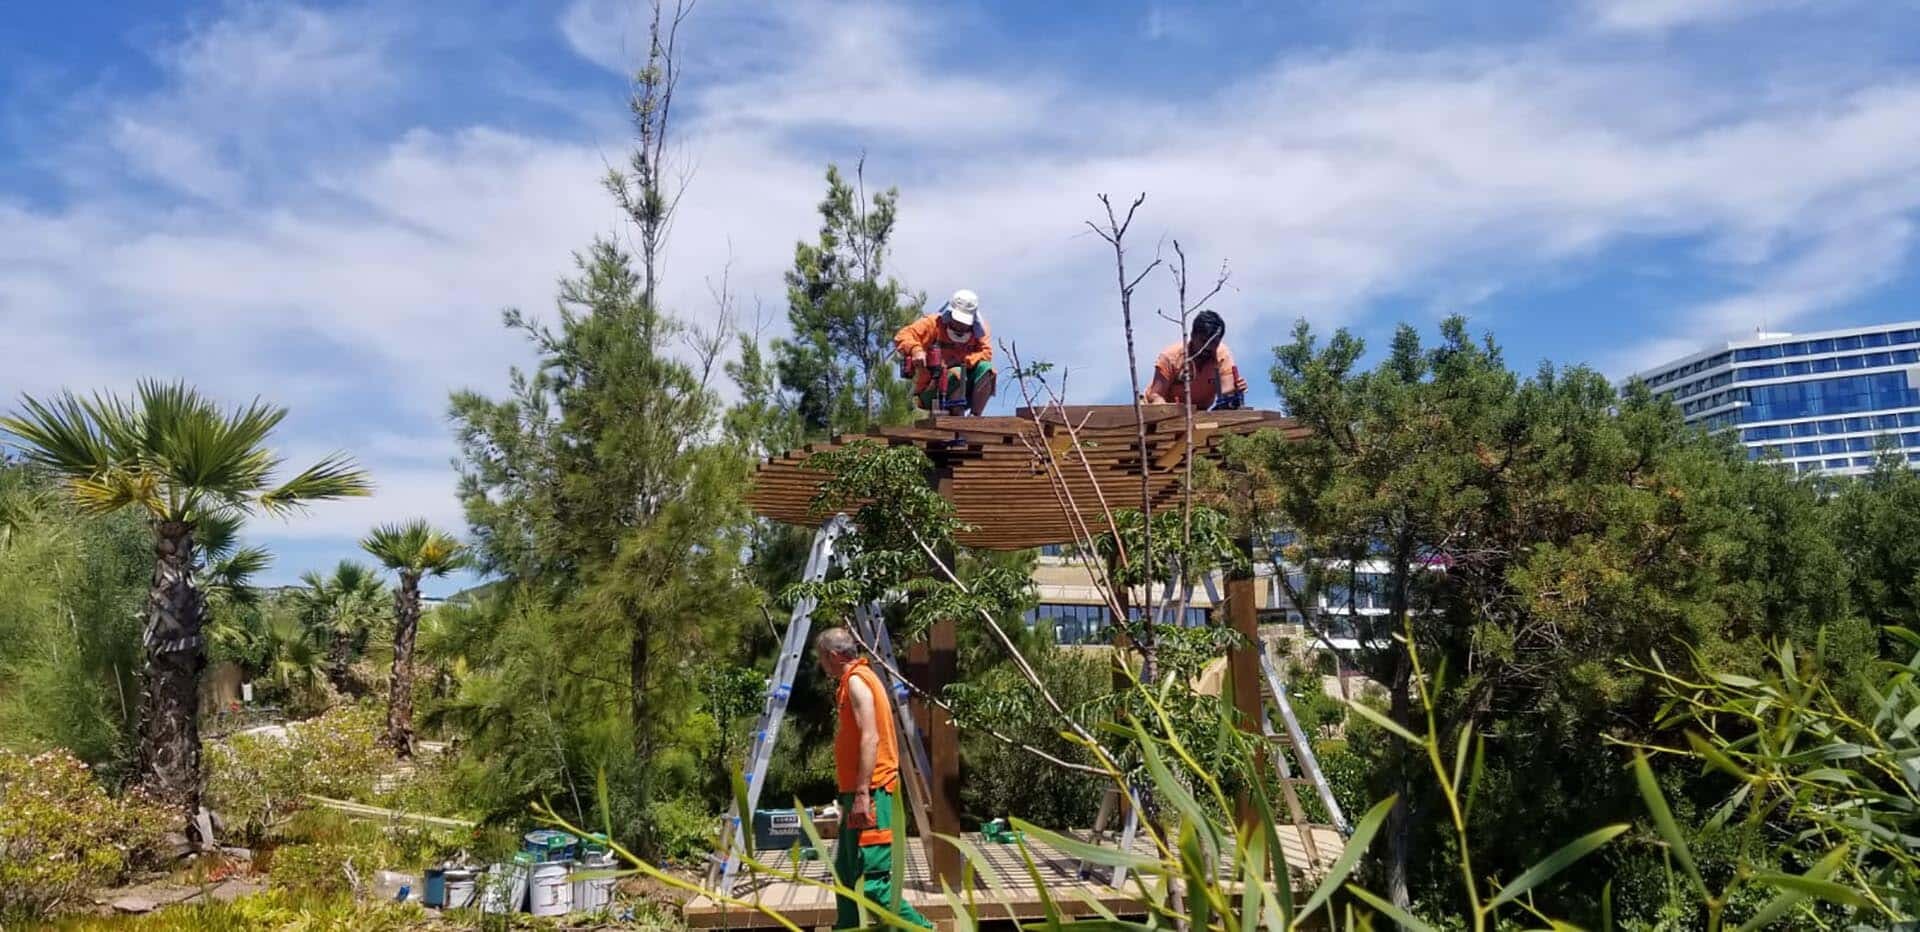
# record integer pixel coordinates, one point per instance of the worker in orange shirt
(866, 769)
(1214, 382)
(949, 346)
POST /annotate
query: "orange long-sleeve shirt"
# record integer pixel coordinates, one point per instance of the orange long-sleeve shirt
(1213, 374)
(917, 337)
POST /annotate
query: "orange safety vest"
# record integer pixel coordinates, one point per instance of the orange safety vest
(846, 744)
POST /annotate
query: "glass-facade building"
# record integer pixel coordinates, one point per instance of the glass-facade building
(1821, 401)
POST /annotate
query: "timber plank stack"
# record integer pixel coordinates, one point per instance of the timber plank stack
(1000, 471)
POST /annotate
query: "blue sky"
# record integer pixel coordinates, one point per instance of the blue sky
(328, 205)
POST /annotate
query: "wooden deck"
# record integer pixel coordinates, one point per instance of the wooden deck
(1010, 895)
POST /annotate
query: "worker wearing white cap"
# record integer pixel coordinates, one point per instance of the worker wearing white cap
(950, 356)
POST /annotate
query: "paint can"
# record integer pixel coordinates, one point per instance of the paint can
(593, 894)
(549, 845)
(550, 894)
(506, 886)
(459, 883)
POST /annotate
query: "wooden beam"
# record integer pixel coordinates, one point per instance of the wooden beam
(943, 738)
(1243, 661)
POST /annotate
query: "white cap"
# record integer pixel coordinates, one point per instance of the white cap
(963, 308)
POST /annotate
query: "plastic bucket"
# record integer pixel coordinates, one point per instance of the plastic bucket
(551, 894)
(459, 889)
(592, 894)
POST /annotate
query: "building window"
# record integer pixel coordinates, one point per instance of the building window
(1830, 396)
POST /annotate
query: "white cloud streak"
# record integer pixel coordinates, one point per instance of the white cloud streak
(1653, 16)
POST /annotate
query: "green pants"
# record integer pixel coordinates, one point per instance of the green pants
(961, 381)
(868, 868)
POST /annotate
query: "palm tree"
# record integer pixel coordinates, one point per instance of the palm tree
(173, 454)
(413, 550)
(342, 607)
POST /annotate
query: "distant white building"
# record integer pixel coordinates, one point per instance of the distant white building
(1819, 401)
(1073, 606)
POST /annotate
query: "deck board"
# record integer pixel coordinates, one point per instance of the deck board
(1010, 894)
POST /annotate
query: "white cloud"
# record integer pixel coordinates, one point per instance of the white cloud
(1661, 15)
(366, 282)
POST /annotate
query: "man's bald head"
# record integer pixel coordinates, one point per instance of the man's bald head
(834, 648)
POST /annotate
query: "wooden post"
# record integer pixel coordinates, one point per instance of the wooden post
(943, 739)
(1243, 661)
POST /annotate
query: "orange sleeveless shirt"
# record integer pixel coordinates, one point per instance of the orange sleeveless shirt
(846, 737)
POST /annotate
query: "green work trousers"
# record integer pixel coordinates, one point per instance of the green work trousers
(961, 381)
(867, 868)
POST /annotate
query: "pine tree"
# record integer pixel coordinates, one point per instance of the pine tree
(839, 362)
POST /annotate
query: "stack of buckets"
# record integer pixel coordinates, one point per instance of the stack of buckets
(552, 875)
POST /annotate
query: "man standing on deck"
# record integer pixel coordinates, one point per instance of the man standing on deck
(866, 765)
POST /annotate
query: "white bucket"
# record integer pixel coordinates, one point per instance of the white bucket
(551, 894)
(505, 889)
(593, 894)
(460, 889)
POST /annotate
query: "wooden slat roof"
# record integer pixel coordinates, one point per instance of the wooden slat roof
(998, 466)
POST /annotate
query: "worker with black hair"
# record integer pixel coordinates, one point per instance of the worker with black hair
(1201, 368)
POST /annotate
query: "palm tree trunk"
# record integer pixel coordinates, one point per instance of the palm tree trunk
(406, 613)
(169, 757)
(339, 657)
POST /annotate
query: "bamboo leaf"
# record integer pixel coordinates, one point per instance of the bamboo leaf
(1795, 889)
(1098, 854)
(1556, 862)
(1378, 718)
(1356, 846)
(1098, 925)
(1395, 913)
(1460, 756)
(1823, 889)
(1663, 821)
(1277, 862)
(1714, 756)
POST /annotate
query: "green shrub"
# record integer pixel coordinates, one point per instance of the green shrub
(683, 829)
(274, 909)
(256, 781)
(61, 835)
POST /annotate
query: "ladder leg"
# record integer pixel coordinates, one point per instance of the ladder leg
(1130, 827)
(1108, 800)
(913, 764)
(766, 733)
(1302, 748)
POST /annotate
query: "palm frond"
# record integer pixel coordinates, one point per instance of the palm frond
(60, 435)
(334, 477)
(116, 488)
(171, 451)
(230, 578)
(416, 547)
(216, 534)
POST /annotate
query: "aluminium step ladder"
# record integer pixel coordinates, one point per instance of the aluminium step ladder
(870, 626)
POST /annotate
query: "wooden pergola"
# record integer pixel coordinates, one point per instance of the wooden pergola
(1006, 477)
(999, 476)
